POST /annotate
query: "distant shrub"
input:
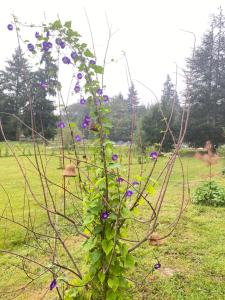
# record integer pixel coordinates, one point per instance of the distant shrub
(210, 193)
(223, 171)
(221, 150)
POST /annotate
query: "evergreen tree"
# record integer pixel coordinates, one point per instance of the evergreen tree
(22, 90)
(154, 123)
(121, 119)
(207, 86)
(42, 107)
(13, 86)
(132, 99)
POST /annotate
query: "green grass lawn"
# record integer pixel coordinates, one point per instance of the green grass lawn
(192, 258)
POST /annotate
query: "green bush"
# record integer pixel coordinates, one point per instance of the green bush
(223, 171)
(210, 193)
(221, 151)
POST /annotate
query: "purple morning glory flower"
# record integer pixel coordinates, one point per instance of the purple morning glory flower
(119, 179)
(92, 62)
(114, 157)
(135, 183)
(53, 284)
(58, 41)
(30, 47)
(99, 91)
(66, 60)
(62, 45)
(79, 75)
(47, 34)
(61, 125)
(87, 119)
(46, 46)
(43, 84)
(153, 155)
(77, 138)
(105, 98)
(10, 27)
(128, 193)
(82, 101)
(157, 266)
(73, 55)
(104, 215)
(77, 88)
(84, 125)
(37, 35)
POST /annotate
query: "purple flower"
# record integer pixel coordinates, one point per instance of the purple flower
(66, 60)
(58, 41)
(119, 179)
(73, 55)
(92, 62)
(99, 91)
(61, 125)
(135, 183)
(77, 88)
(10, 27)
(86, 121)
(157, 266)
(79, 75)
(62, 45)
(37, 35)
(105, 98)
(43, 84)
(128, 193)
(84, 125)
(53, 284)
(30, 47)
(104, 215)
(153, 155)
(47, 34)
(77, 138)
(114, 157)
(82, 101)
(46, 46)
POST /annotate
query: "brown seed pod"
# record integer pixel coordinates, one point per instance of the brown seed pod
(154, 239)
(93, 127)
(69, 171)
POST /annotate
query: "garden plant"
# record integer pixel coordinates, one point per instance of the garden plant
(97, 198)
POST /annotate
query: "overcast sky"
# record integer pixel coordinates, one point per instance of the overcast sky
(148, 31)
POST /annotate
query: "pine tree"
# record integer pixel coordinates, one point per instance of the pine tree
(207, 86)
(44, 83)
(155, 122)
(132, 99)
(24, 90)
(13, 86)
(121, 119)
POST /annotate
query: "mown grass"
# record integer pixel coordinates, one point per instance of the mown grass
(192, 258)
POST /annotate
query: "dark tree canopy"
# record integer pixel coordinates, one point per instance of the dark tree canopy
(20, 90)
(154, 125)
(207, 86)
